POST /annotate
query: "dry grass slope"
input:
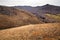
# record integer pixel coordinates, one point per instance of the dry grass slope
(53, 18)
(50, 31)
(57, 17)
(13, 17)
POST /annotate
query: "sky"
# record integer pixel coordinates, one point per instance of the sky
(29, 2)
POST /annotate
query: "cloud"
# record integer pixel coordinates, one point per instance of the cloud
(29, 2)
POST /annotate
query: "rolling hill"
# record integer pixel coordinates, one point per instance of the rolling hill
(10, 16)
(50, 31)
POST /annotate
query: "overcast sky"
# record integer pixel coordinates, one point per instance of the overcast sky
(29, 2)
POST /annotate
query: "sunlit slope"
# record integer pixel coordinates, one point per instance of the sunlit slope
(10, 16)
(50, 31)
(53, 18)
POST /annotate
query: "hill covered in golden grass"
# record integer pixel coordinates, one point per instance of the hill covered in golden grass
(49, 31)
(10, 16)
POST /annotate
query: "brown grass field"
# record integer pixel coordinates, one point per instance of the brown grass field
(49, 31)
(11, 17)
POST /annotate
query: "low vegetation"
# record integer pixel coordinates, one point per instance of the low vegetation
(57, 17)
(50, 31)
(53, 18)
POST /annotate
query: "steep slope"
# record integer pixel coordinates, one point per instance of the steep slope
(10, 16)
(50, 31)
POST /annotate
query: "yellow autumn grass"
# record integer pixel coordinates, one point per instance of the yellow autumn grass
(54, 16)
(49, 31)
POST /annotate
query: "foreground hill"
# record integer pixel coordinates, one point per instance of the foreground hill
(10, 16)
(50, 31)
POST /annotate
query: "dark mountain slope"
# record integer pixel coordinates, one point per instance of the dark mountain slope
(41, 11)
(46, 8)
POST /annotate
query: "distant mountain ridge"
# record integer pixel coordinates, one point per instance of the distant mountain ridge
(45, 8)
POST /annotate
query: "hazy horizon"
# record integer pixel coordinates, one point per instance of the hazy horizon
(29, 2)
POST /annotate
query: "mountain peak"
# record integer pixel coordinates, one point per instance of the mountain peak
(48, 5)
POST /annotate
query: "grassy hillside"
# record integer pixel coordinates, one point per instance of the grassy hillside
(10, 16)
(57, 17)
(50, 31)
(53, 18)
